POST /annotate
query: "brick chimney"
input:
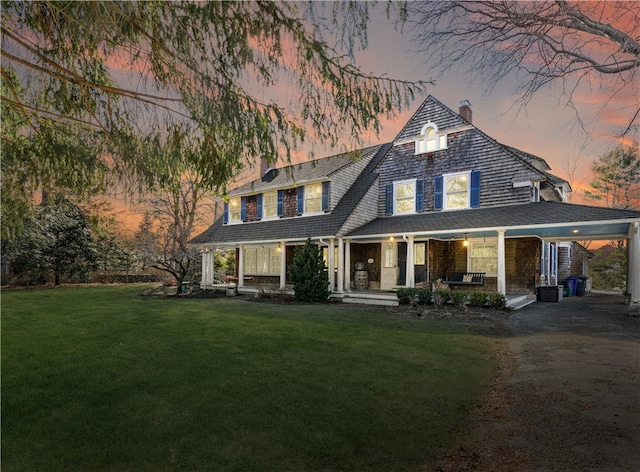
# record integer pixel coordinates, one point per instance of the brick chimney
(264, 167)
(465, 110)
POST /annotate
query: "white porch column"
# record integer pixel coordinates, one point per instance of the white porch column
(502, 266)
(241, 266)
(347, 266)
(410, 278)
(332, 264)
(633, 267)
(553, 263)
(283, 264)
(340, 288)
(207, 268)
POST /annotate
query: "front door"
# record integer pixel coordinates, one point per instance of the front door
(389, 270)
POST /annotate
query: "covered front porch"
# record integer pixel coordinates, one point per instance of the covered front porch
(515, 247)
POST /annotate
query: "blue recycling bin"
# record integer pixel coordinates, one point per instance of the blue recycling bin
(572, 283)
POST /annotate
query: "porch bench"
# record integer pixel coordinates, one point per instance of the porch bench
(234, 279)
(466, 278)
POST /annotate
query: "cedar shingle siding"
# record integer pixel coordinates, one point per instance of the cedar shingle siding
(468, 150)
(358, 203)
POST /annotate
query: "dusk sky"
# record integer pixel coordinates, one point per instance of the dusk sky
(546, 127)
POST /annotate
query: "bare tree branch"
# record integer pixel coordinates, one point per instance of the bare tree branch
(537, 42)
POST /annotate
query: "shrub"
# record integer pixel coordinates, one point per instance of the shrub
(478, 298)
(497, 301)
(424, 296)
(440, 297)
(309, 274)
(459, 298)
(407, 295)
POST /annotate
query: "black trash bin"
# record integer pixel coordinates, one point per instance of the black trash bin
(580, 286)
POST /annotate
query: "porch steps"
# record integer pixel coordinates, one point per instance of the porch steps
(515, 302)
(383, 299)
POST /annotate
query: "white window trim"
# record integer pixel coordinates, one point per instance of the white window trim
(238, 221)
(535, 192)
(264, 206)
(271, 250)
(492, 241)
(421, 142)
(306, 212)
(395, 198)
(444, 190)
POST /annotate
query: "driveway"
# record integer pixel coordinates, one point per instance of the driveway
(566, 396)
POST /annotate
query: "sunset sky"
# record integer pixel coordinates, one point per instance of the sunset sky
(546, 127)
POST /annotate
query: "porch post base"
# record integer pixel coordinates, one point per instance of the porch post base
(634, 309)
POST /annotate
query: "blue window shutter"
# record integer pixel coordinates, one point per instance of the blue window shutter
(280, 202)
(300, 200)
(259, 205)
(388, 199)
(243, 208)
(419, 194)
(474, 200)
(325, 196)
(437, 193)
(225, 217)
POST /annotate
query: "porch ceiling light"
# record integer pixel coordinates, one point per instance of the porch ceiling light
(575, 231)
(465, 243)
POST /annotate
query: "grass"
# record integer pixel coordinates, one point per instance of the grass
(98, 378)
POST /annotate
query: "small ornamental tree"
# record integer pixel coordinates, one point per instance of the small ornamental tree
(309, 274)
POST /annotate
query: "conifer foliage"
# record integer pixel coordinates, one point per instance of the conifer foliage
(309, 274)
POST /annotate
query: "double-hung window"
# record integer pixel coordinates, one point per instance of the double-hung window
(235, 210)
(404, 197)
(313, 198)
(457, 191)
(270, 205)
(483, 257)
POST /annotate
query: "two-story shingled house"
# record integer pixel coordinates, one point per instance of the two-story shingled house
(443, 198)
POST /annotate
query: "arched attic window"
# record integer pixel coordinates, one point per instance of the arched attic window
(430, 139)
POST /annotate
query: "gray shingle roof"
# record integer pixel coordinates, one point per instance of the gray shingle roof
(295, 174)
(298, 228)
(528, 214)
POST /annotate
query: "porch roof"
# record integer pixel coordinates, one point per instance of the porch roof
(548, 220)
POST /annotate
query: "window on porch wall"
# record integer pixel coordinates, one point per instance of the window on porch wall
(262, 261)
(483, 257)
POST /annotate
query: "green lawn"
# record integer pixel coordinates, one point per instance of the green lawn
(99, 378)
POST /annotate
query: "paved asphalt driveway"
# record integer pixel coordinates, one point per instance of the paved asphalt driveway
(575, 388)
(596, 315)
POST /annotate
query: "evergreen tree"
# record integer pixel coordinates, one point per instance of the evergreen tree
(56, 243)
(309, 274)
